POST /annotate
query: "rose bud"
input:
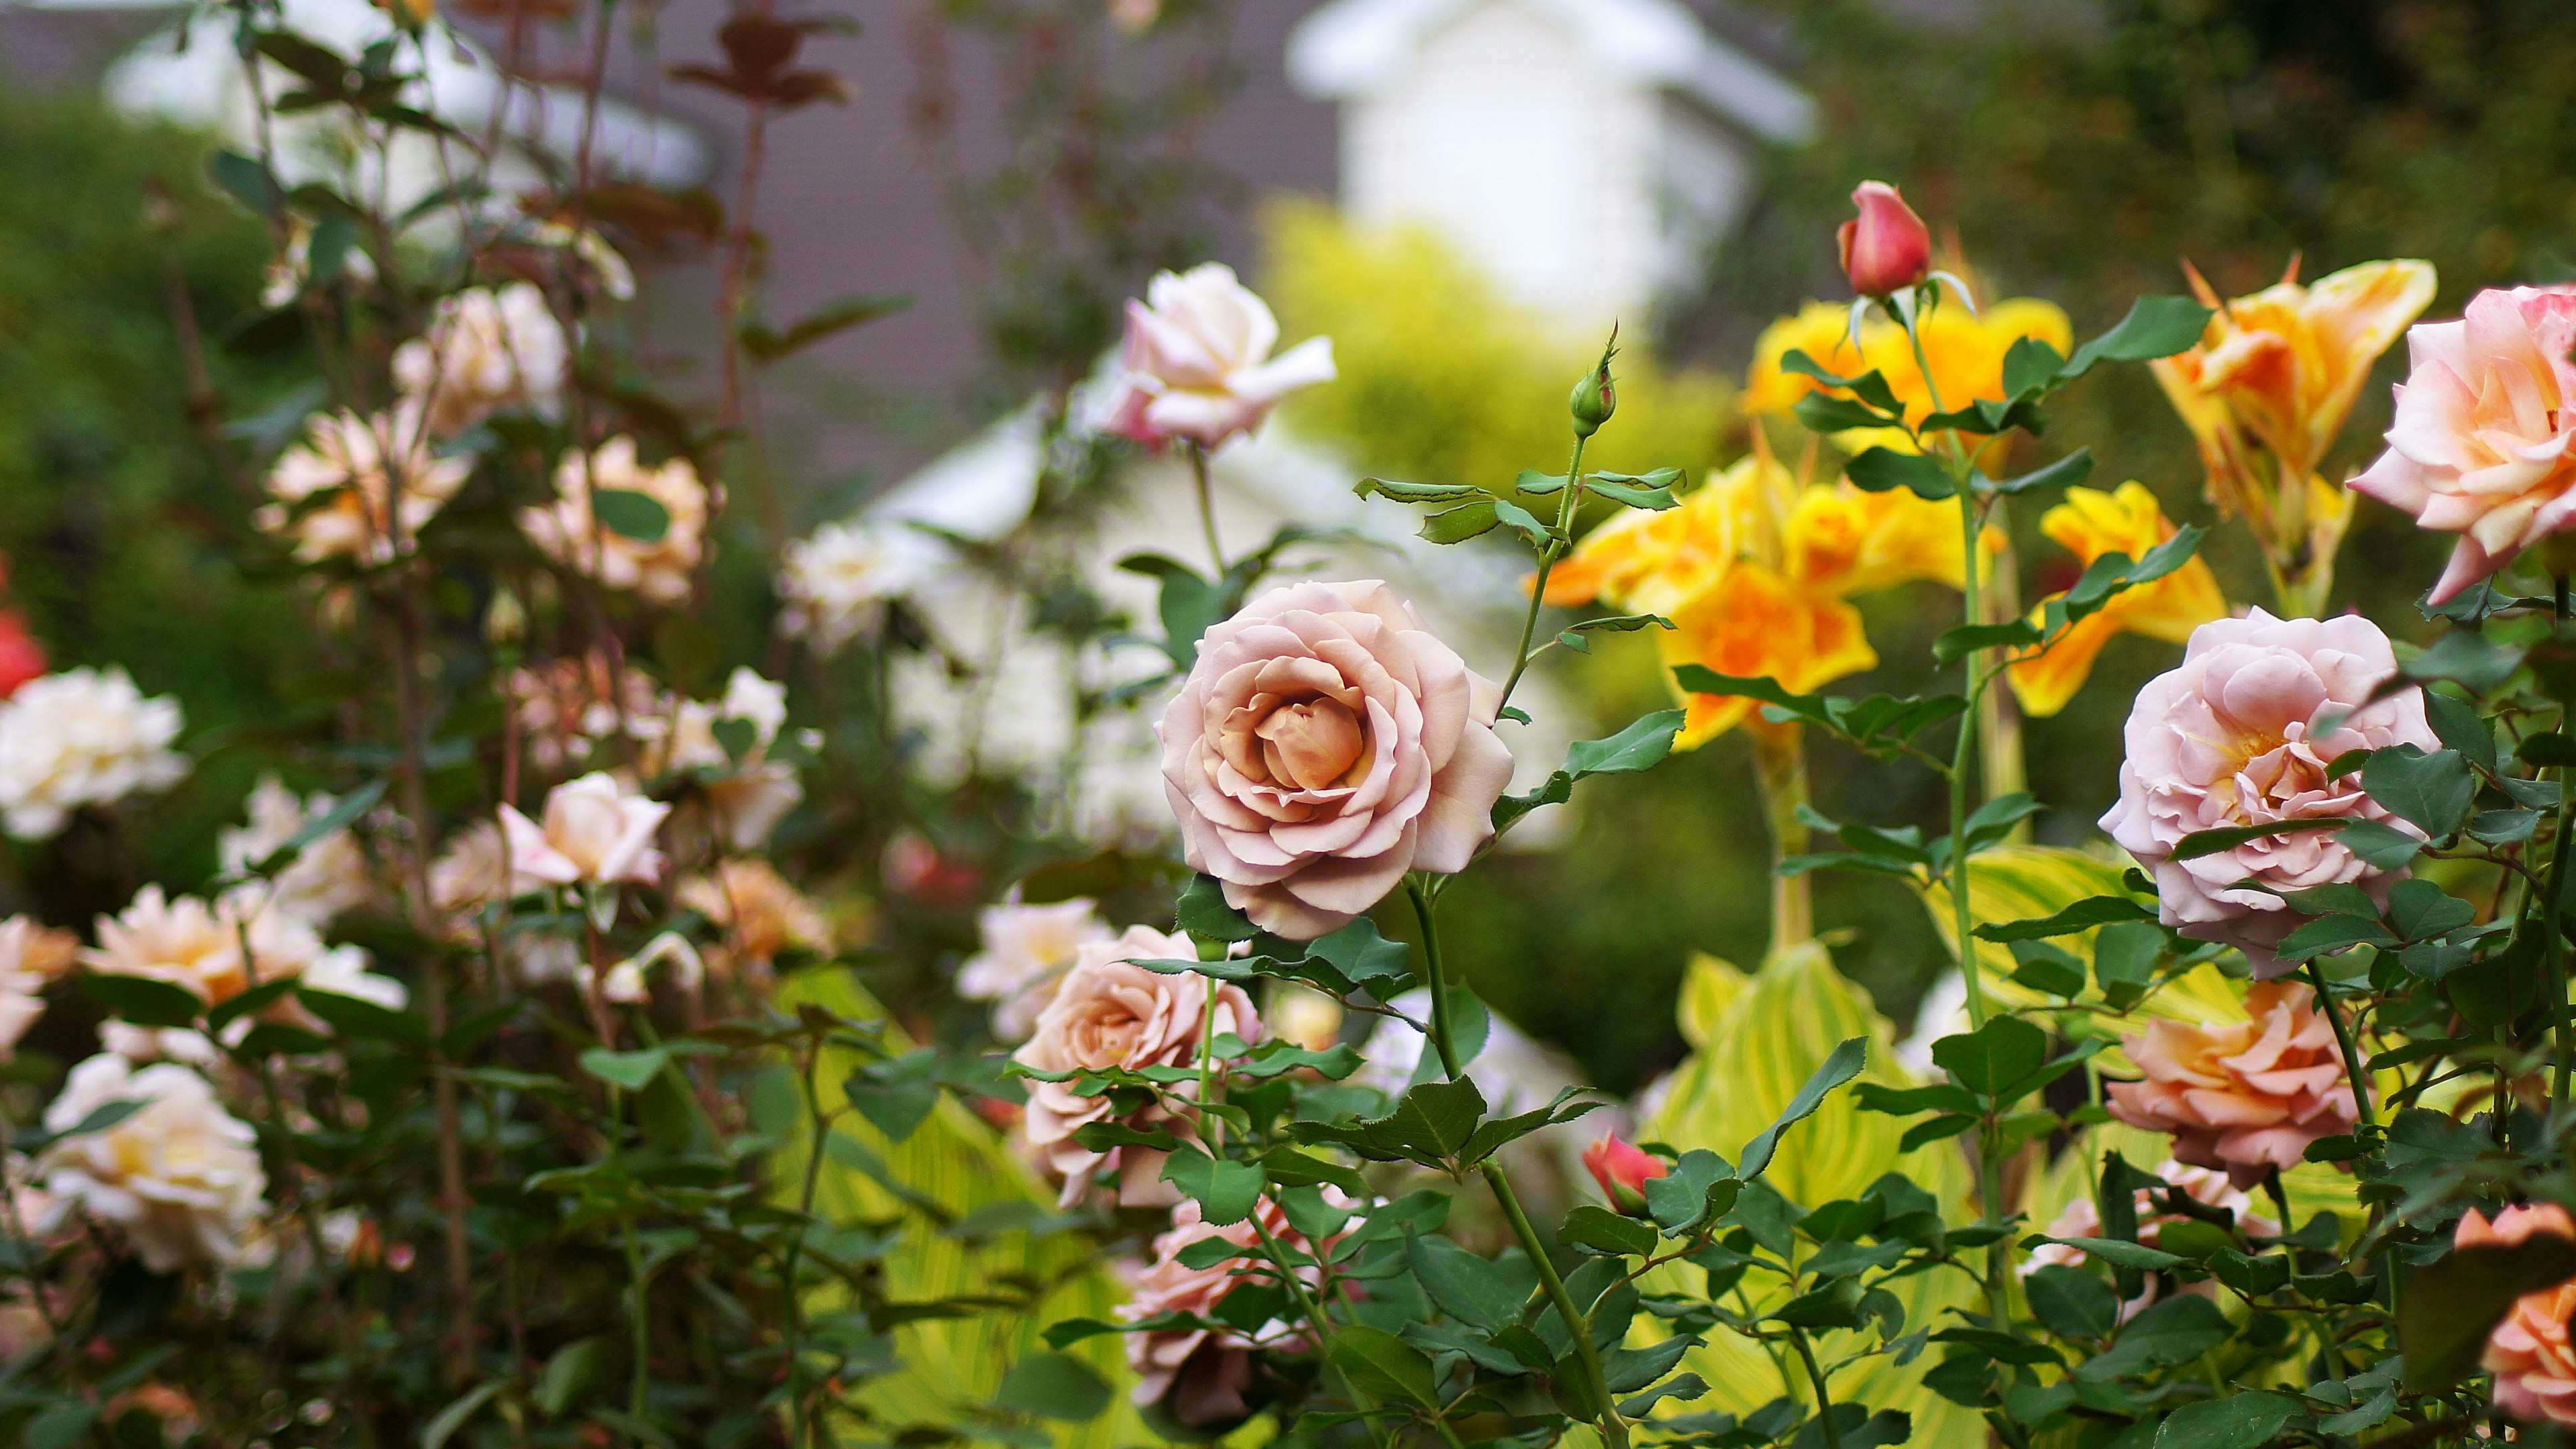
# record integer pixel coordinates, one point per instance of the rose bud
(1623, 1170)
(1888, 249)
(1595, 398)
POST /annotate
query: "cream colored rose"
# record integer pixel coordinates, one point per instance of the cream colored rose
(1323, 745)
(181, 1178)
(566, 531)
(1026, 950)
(335, 494)
(596, 832)
(486, 351)
(837, 582)
(1110, 1013)
(31, 957)
(760, 912)
(197, 946)
(328, 876)
(82, 737)
(471, 873)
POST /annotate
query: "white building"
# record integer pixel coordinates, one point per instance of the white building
(1586, 153)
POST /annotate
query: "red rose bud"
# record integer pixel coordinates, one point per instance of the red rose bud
(1623, 1170)
(1888, 249)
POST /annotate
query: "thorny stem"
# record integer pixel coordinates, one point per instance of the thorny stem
(1824, 1398)
(1207, 504)
(1578, 1325)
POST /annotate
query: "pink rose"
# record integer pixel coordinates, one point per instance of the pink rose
(1323, 746)
(2529, 1353)
(594, 831)
(1205, 1371)
(1109, 1013)
(2082, 1218)
(1623, 1170)
(2482, 442)
(1887, 248)
(2232, 738)
(1197, 363)
(2241, 1097)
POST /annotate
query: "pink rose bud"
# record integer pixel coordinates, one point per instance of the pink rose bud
(1888, 249)
(1623, 1170)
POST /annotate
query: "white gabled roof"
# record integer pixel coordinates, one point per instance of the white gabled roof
(1351, 48)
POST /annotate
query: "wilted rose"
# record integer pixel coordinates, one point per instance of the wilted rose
(2484, 444)
(1887, 248)
(2241, 734)
(1323, 745)
(1110, 1013)
(1196, 364)
(2241, 1097)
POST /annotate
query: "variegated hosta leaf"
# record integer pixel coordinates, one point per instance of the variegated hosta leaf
(1760, 1038)
(955, 1160)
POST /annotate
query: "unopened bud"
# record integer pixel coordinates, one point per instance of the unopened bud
(1595, 399)
(506, 622)
(1887, 248)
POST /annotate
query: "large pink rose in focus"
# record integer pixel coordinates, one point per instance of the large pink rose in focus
(2231, 738)
(1200, 1374)
(2241, 1097)
(2484, 444)
(2530, 1354)
(1196, 364)
(1324, 745)
(1110, 1013)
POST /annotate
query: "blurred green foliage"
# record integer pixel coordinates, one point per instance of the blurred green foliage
(121, 529)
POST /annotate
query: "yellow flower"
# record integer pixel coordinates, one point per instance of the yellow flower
(1753, 570)
(2268, 388)
(2091, 523)
(1966, 352)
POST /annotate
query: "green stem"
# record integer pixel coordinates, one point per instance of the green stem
(1207, 505)
(2343, 1039)
(2553, 912)
(1556, 547)
(1435, 979)
(794, 1304)
(1824, 1399)
(1313, 1309)
(641, 1327)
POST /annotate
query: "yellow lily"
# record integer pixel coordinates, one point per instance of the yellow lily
(1966, 352)
(2267, 390)
(2091, 523)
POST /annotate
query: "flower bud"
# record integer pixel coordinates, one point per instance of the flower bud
(1888, 249)
(505, 623)
(1595, 399)
(1623, 1170)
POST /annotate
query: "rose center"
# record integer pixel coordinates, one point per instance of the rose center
(1311, 744)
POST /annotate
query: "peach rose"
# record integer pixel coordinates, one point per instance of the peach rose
(1323, 746)
(2529, 1353)
(594, 831)
(2484, 444)
(1204, 1372)
(2232, 738)
(1196, 363)
(1110, 1013)
(2241, 1097)
(567, 531)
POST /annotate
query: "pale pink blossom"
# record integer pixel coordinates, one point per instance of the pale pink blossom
(2082, 1218)
(2484, 443)
(1323, 745)
(1108, 1012)
(2530, 1352)
(1196, 363)
(486, 351)
(2241, 1097)
(1026, 951)
(595, 832)
(2241, 734)
(1199, 1374)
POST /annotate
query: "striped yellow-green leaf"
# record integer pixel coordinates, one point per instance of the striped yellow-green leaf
(1760, 1037)
(955, 1160)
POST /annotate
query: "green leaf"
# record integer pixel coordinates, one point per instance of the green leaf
(2246, 1419)
(1417, 492)
(1869, 386)
(1594, 1227)
(765, 346)
(2082, 916)
(1521, 521)
(2421, 910)
(2114, 573)
(343, 810)
(897, 1096)
(2211, 842)
(2545, 750)
(2072, 1302)
(2380, 844)
(246, 181)
(2458, 725)
(1202, 911)
(2030, 363)
(2154, 327)
(60, 1426)
(2327, 935)
(2431, 791)
(1459, 524)
(2452, 1304)
(1960, 641)
(2120, 1253)
(639, 516)
(2072, 469)
(352, 1017)
(1995, 1057)
(258, 998)
(1054, 1386)
(1376, 1362)
(1644, 744)
(1468, 1288)
(454, 1416)
(1835, 1305)
(1365, 958)
(143, 1000)
(1431, 1125)
(1879, 470)
(631, 1070)
(1840, 1067)
(1635, 493)
(1225, 1191)
(1698, 1188)
(1823, 413)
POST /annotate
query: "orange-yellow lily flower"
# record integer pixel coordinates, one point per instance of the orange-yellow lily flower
(1754, 569)
(2091, 523)
(1966, 352)
(2267, 389)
